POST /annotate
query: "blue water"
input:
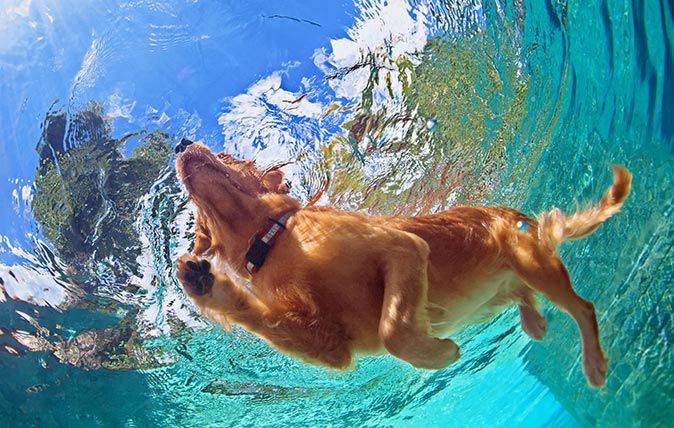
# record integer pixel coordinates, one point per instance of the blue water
(392, 107)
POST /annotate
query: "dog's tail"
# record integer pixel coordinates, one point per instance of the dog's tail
(554, 227)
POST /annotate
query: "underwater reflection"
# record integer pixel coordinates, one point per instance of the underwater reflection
(87, 195)
(87, 201)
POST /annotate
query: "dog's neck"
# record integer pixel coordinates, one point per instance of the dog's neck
(276, 205)
(232, 246)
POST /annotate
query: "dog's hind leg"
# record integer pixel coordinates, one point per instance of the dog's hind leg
(532, 321)
(404, 325)
(544, 271)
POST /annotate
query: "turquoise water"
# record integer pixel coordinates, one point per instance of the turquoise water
(393, 107)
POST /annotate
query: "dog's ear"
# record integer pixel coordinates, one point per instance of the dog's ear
(202, 241)
(273, 181)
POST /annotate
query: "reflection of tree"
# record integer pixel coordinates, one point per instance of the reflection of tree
(87, 192)
(459, 108)
(87, 200)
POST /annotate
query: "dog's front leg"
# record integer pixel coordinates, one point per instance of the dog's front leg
(292, 329)
(216, 294)
(404, 325)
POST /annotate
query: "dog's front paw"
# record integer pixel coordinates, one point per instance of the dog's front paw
(195, 275)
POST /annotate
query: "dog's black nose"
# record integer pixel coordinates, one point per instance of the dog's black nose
(182, 145)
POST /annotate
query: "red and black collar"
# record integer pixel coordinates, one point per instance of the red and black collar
(264, 240)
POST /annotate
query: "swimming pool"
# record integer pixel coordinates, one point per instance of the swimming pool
(391, 107)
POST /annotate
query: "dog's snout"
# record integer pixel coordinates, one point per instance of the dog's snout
(182, 145)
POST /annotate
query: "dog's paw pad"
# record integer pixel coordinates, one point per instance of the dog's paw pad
(195, 275)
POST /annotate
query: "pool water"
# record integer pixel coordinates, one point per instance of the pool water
(389, 107)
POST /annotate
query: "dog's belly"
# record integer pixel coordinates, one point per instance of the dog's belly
(451, 306)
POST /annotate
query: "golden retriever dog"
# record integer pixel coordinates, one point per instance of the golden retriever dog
(336, 284)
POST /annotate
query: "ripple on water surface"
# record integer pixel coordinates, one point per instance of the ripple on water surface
(411, 108)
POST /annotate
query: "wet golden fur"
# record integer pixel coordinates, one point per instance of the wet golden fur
(337, 284)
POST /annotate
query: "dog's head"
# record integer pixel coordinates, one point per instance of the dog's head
(203, 172)
(225, 190)
(269, 180)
